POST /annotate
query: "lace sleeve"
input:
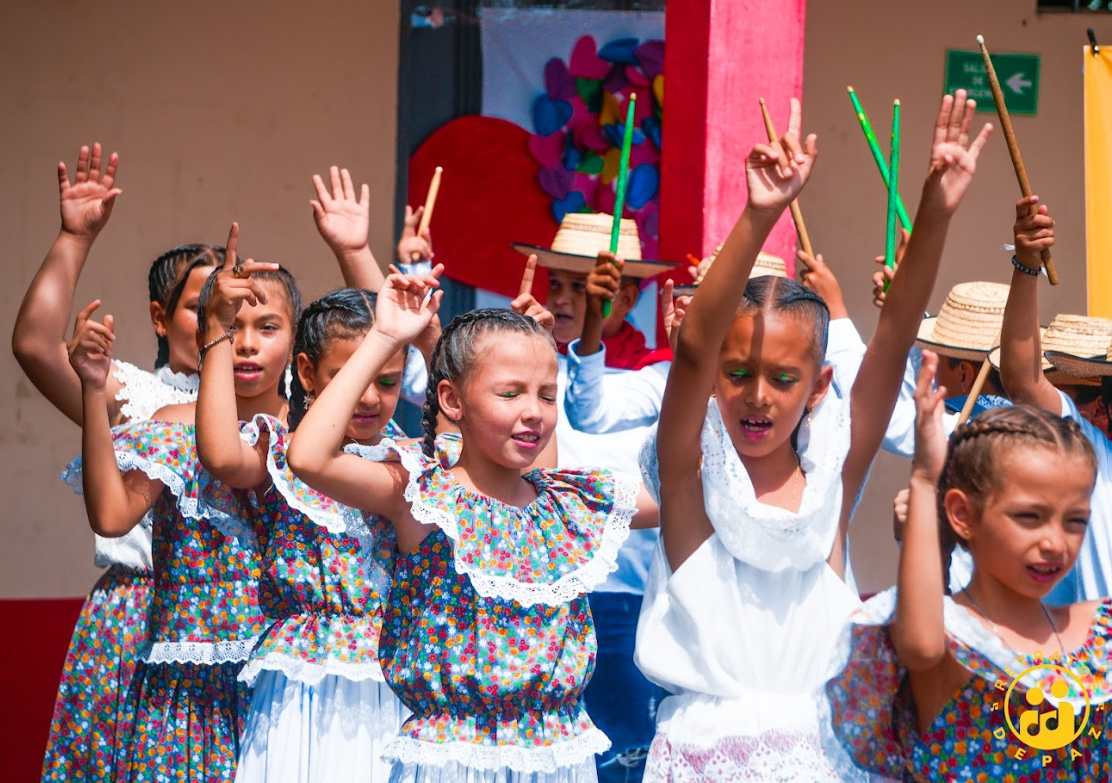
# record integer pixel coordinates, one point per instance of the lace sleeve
(142, 393)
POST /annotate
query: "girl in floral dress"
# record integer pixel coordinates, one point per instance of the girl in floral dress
(746, 595)
(991, 684)
(185, 708)
(487, 638)
(88, 711)
(321, 710)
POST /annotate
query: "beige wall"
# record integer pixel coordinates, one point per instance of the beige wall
(887, 50)
(220, 111)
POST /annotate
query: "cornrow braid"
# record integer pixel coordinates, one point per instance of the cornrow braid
(455, 356)
(769, 294)
(167, 277)
(341, 314)
(974, 451)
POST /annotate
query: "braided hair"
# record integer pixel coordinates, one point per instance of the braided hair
(770, 294)
(974, 450)
(167, 278)
(347, 313)
(455, 355)
(282, 276)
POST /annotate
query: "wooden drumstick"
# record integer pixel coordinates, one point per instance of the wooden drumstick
(1013, 148)
(975, 392)
(430, 204)
(797, 214)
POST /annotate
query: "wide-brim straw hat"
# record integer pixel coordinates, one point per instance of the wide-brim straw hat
(1084, 368)
(968, 325)
(1078, 336)
(766, 264)
(582, 236)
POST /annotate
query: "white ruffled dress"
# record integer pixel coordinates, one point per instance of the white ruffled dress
(321, 710)
(742, 632)
(488, 638)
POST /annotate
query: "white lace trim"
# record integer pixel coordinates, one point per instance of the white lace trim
(203, 653)
(341, 520)
(407, 750)
(768, 537)
(310, 672)
(142, 393)
(570, 585)
(962, 626)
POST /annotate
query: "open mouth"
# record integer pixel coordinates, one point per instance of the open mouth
(755, 427)
(528, 440)
(1044, 573)
(248, 370)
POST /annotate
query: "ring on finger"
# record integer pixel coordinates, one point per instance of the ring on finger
(239, 272)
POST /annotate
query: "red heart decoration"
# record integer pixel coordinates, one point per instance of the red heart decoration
(585, 62)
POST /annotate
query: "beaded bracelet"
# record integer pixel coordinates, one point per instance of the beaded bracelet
(228, 335)
(1025, 269)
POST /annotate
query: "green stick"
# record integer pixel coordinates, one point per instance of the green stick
(878, 156)
(893, 191)
(620, 198)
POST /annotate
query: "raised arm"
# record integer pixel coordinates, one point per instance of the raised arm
(1020, 343)
(224, 454)
(315, 453)
(39, 337)
(918, 634)
(344, 223)
(873, 397)
(115, 502)
(776, 174)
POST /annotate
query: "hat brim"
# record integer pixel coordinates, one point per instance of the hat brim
(925, 339)
(570, 262)
(1084, 368)
(1052, 373)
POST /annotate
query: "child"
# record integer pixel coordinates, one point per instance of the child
(953, 688)
(1021, 370)
(320, 709)
(185, 708)
(488, 638)
(113, 621)
(757, 488)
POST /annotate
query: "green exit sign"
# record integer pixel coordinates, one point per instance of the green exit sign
(1018, 75)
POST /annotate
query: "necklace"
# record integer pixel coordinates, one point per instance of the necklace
(995, 630)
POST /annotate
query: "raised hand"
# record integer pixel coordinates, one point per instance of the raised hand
(342, 220)
(410, 243)
(90, 347)
(953, 157)
(816, 275)
(405, 307)
(604, 281)
(776, 172)
(673, 309)
(86, 203)
(884, 275)
(526, 304)
(900, 506)
(930, 437)
(1033, 233)
(234, 286)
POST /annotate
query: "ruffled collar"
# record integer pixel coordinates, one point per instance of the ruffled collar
(558, 547)
(769, 537)
(183, 382)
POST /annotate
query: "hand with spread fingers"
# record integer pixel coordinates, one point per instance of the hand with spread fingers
(407, 304)
(234, 286)
(526, 303)
(342, 219)
(90, 347)
(776, 172)
(87, 202)
(953, 156)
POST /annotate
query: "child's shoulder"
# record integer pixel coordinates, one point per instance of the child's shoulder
(180, 413)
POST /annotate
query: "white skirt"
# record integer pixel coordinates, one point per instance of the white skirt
(454, 772)
(331, 732)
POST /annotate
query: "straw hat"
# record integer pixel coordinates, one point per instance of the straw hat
(766, 264)
(968, 325)
(1079, 366)
(582, 236)
(1072, 335)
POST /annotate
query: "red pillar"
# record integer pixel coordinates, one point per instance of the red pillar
(721, 56)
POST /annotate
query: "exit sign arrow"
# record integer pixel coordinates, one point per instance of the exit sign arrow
(1018, 83)
(1019, 75)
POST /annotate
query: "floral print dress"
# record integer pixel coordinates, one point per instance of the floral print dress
(983, 733)
(185, 709)
(488, 638)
